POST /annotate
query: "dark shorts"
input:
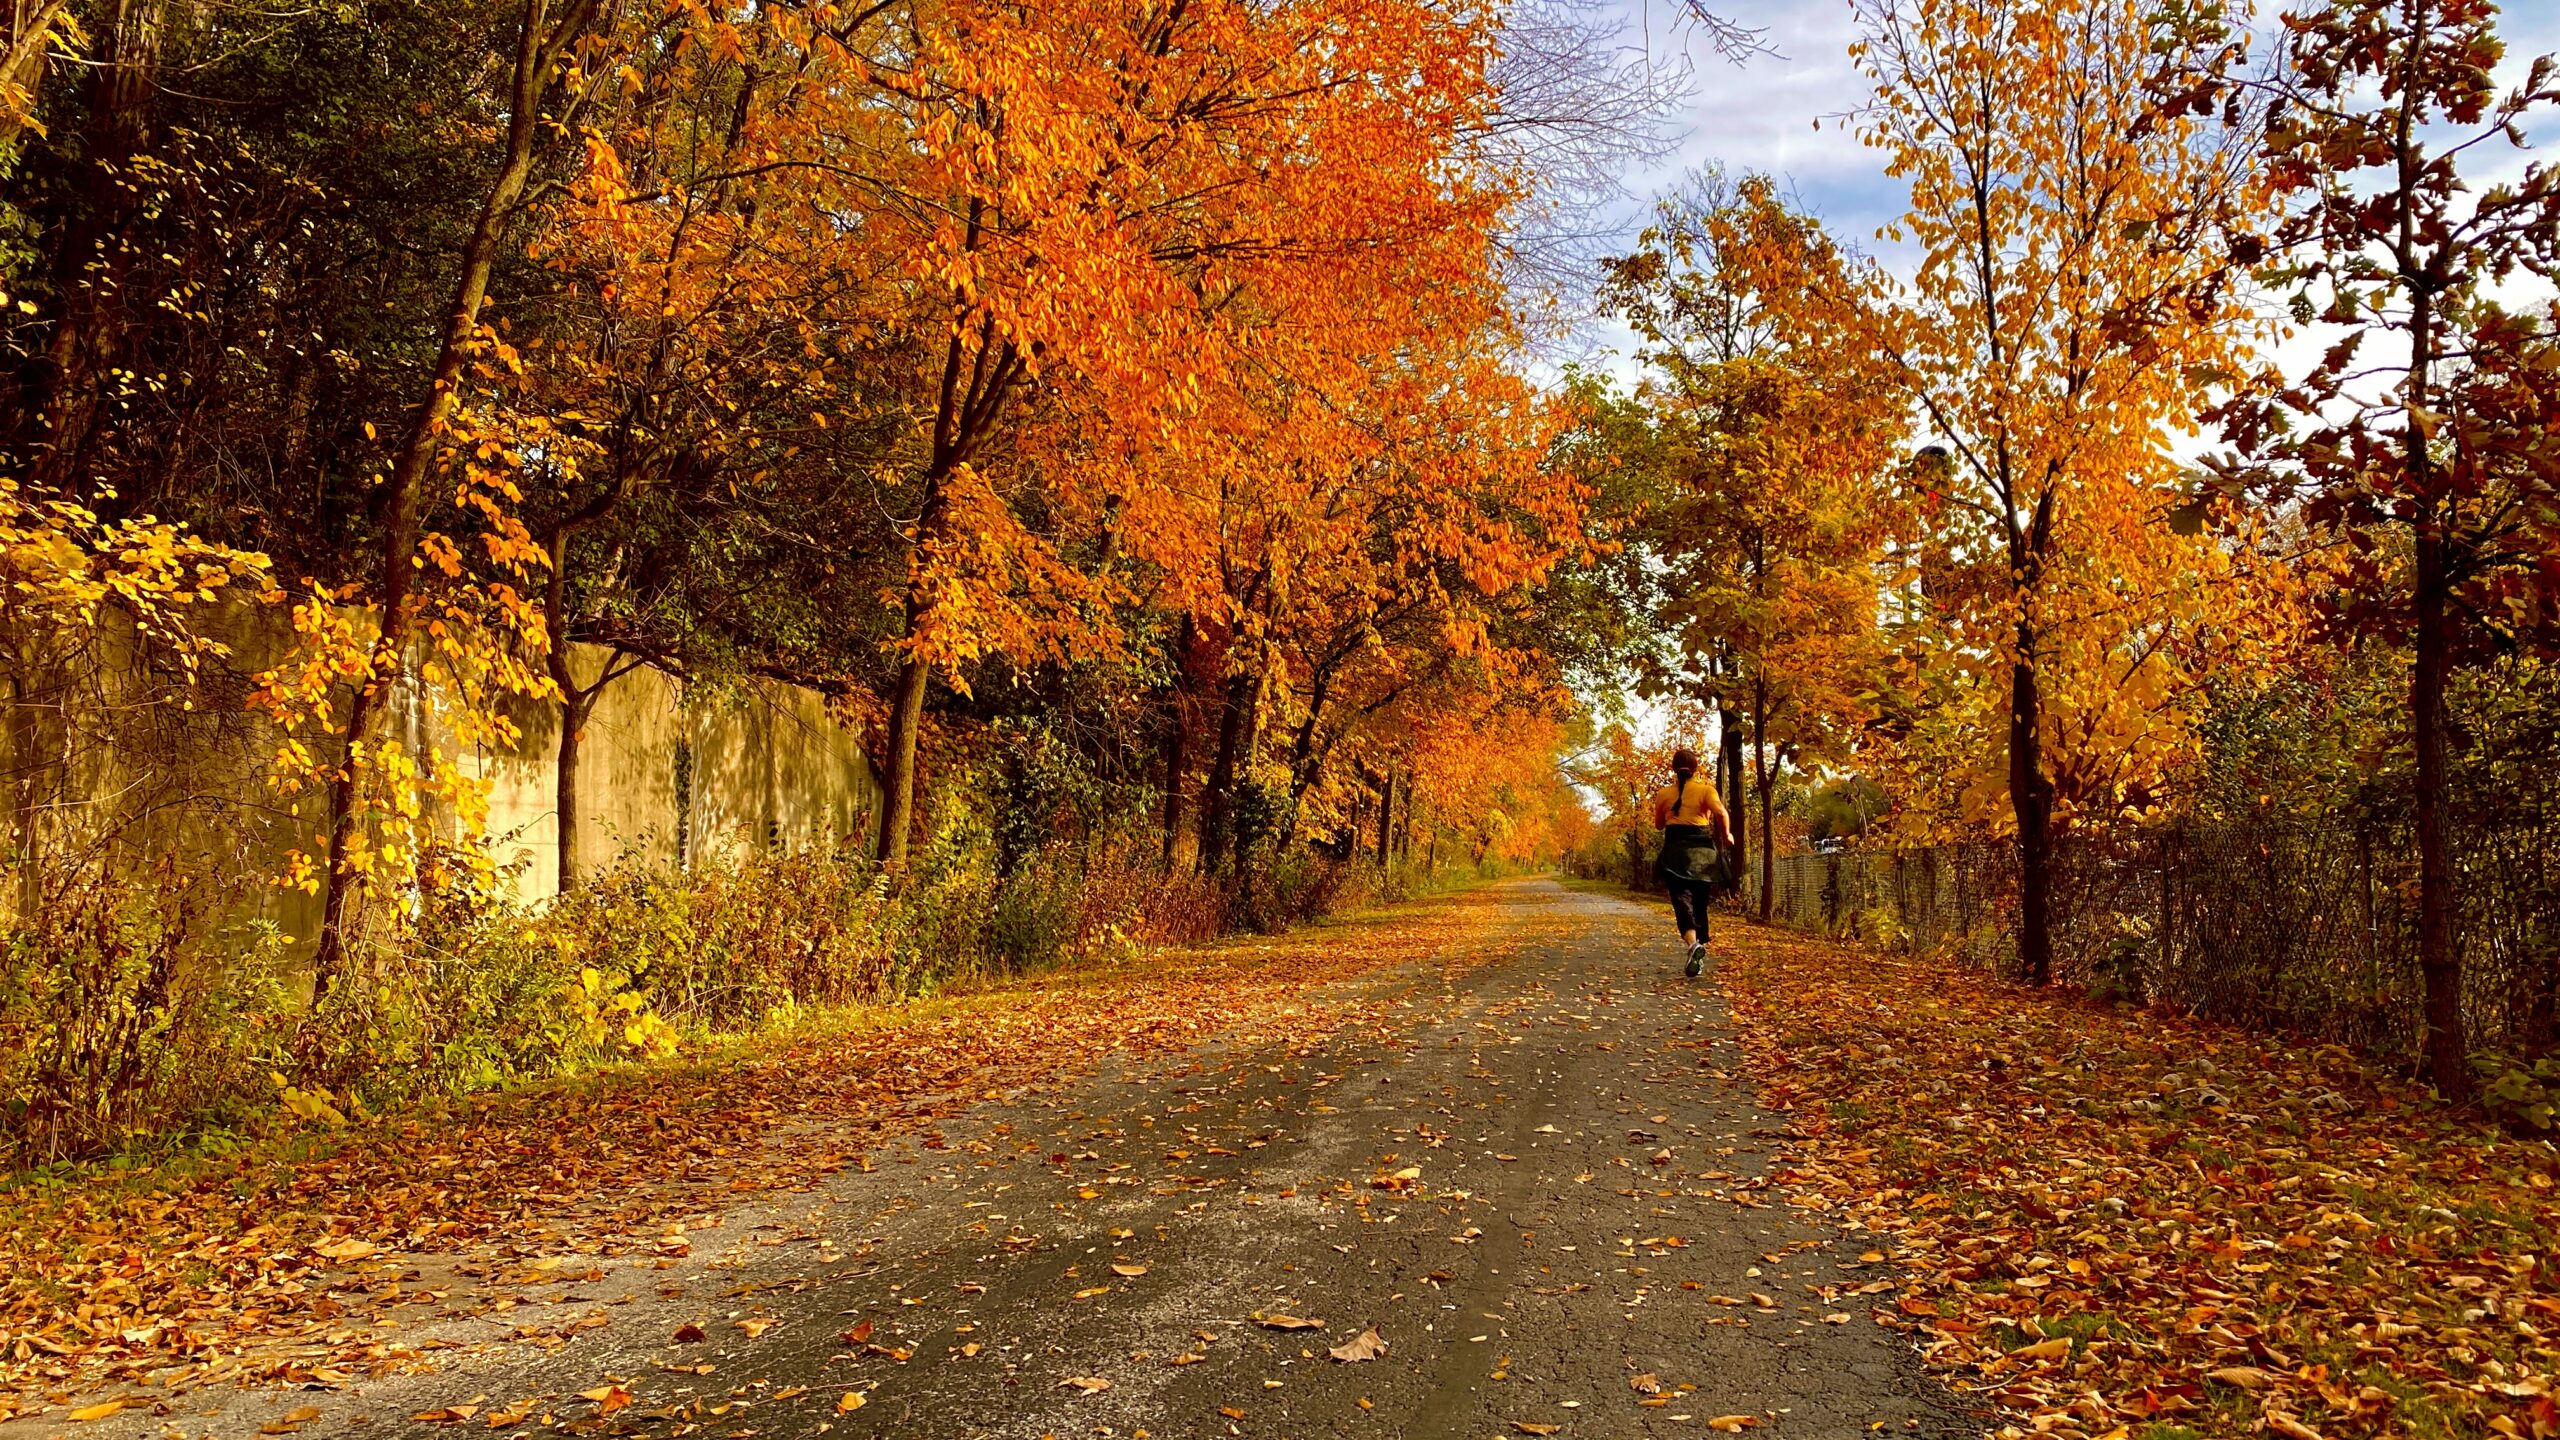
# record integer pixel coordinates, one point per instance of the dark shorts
(1691, 867)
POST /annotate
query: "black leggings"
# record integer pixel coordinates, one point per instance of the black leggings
(1689, 903)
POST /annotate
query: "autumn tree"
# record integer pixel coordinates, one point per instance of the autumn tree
(1377, 519)
(2423, 437)
(708, 342)
(2069, 307)
(544, 66)
(1099, 195)
(1780, 445)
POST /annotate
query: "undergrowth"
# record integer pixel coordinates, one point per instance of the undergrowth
(136, 1021)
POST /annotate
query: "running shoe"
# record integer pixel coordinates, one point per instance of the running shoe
(1697, 959)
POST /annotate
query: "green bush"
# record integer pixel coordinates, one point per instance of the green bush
(128, 1009)
(2525, 1097)
(129, 1014)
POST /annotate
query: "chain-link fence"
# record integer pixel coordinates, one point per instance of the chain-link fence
(2305, 928)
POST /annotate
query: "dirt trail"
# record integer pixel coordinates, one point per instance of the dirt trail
(1535, 1170)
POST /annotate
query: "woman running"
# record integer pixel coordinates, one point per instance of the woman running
(1695, 830)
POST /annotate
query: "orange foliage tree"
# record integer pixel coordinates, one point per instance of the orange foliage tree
(1102, 219)
(2434, 460)
(1778, 442)
(2069, 309)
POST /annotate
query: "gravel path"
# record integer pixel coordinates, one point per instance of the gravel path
(1540, 1181)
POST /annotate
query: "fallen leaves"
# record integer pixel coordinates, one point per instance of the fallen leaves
(2112, 1222)
(689, 1333)
(851, 1401)
(1085, 1384)
(2286, 1425)
(104, 1409)
(1731, 1424)
(1367, 1345)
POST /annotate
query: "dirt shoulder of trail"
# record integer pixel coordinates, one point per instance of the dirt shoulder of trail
(297, 1260)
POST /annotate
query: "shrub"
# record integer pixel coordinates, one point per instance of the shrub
(127, 1008)
(2523, 1097)
(131, 1011)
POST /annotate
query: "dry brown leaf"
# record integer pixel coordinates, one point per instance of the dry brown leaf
(1367, 1345)
(1535, 1427)
(756, 1327)
(851, 1402)
(2246, 1377)
(99, 1411)
(1128, 1272)
(1731, 1423)
(1286, 1322)
(2287, 1426)
(1645, 1384)
(1087, 1384)
(689, 1333)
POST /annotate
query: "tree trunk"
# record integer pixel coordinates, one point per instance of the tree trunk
(2030, 789)
(1767, 784)
(1217, 810)
(574, 710)
(898, 798)
(1386, 815)
(91, 254)
(1177, 760)
(2031, 801)
(23, 46)
(538, 51)
(1729, 776)
(2439, 962)
(1177, 738)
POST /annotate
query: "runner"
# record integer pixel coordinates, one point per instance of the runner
(1695, 830)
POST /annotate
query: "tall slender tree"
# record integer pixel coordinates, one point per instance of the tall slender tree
(2070, 305)
(2424, 431)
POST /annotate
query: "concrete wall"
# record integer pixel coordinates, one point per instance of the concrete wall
(99, 741)
(666, 778)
